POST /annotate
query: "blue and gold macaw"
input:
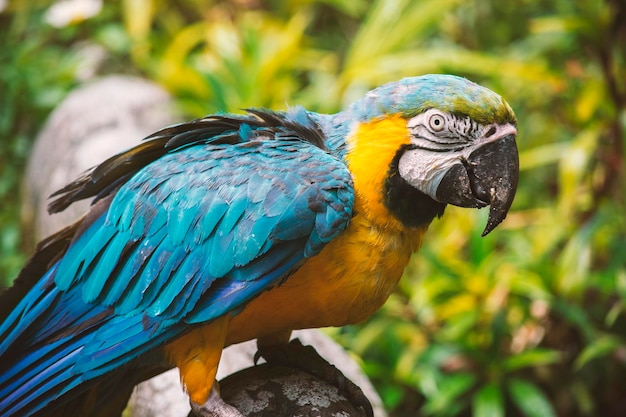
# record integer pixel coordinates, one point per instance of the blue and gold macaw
(236, 227)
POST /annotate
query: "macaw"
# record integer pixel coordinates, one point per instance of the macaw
(238, 227)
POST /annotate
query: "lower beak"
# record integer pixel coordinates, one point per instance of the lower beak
(487, 177)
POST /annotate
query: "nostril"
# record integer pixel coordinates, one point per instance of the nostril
(490, 132)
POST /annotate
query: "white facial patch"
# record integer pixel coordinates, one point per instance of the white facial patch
(424, 170)
(437, 149)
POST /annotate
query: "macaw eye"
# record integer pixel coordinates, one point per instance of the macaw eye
(437, 122)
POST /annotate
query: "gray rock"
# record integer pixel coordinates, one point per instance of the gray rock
(93, 123)
(265, 391)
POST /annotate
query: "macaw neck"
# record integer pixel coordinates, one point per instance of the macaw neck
(371, 151)
(336, 128)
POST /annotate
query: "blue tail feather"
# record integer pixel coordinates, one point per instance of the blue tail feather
(40, 346)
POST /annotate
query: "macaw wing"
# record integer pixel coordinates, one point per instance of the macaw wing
(199, 234)
(187, 238)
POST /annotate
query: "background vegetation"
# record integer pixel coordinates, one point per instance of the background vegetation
(528, 321)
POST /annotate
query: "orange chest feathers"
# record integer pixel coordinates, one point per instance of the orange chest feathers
(347, 282)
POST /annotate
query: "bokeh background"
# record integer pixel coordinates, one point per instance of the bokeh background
(529, 321)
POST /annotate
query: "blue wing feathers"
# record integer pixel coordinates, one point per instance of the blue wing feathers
(103, 266)
(26, 311)
(74, 265)
(28, 394)
(209, 219)
(30, 366)
(219, 214)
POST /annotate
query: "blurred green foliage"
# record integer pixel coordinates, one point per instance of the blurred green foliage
(528, 321)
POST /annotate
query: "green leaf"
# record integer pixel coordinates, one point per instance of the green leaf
(575, 315)
(542, 155)
(531, 357)
(138, 17)
(597, 348)
(529, 399)
(392, 395)
(463, 317)
(620, 283)
(450, 388)
(488, 402)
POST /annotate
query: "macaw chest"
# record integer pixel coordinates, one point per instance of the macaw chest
(347, 282)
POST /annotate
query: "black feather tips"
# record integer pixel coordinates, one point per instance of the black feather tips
(227, 129)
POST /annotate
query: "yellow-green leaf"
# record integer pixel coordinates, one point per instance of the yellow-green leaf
(597, 348)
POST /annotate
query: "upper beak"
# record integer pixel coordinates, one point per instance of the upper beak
(488, 176)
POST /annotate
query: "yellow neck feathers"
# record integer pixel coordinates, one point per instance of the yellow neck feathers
(371, 149)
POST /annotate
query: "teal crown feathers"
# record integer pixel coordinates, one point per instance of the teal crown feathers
(448, 93)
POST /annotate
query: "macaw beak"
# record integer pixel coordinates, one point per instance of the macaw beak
(487, 176)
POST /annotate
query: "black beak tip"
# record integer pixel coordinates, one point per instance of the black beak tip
(496, 216)
(491, 224)
(500, 161)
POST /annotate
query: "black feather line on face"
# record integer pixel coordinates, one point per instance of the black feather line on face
(409, 205)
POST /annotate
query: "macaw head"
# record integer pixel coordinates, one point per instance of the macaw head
(447, 141)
